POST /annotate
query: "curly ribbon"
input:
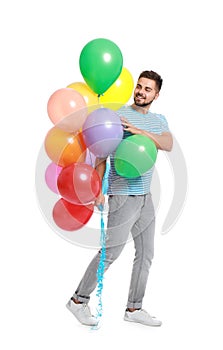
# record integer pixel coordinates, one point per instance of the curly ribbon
(100, 270)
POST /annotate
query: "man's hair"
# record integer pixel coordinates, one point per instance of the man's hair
(149, 74)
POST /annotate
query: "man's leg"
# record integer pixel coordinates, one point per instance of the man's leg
(143, 234)
(123, 212)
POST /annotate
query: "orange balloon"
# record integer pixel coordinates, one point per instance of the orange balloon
(64, 102)
(64, 148)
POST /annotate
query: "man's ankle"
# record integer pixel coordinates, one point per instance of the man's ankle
(76, 301)
(132, 309)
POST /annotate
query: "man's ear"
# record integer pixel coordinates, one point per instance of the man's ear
(156, 96)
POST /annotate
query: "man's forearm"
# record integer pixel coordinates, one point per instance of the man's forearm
(100, 166)
(163, 142)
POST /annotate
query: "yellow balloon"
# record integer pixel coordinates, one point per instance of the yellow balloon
(120, 91)
(90, 97)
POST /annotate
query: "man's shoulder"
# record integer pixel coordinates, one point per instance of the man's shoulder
(158, 116)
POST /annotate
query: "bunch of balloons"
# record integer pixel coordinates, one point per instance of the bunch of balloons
(85, 123)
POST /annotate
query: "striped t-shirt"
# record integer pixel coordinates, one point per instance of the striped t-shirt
(151, 122)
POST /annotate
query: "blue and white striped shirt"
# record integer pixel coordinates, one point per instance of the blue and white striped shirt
(151, 122)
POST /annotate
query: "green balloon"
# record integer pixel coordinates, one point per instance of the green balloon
(134, 156)
(100, 64)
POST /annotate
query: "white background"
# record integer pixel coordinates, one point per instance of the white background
(40, 47)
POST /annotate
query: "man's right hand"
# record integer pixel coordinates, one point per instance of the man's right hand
(100, 200)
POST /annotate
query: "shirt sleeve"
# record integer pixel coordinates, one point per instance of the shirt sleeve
(164, 123)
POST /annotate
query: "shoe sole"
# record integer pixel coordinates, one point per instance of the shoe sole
(145, 324)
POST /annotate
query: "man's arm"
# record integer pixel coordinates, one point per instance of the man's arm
(163, 142)
(100, 166)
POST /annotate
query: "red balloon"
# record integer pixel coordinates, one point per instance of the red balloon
(79, 183)
(71, 217)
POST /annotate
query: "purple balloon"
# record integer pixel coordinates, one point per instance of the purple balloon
(102, 132)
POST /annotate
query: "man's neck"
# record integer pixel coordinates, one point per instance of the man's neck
(142, 110)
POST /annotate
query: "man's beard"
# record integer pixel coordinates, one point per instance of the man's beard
(143, 104)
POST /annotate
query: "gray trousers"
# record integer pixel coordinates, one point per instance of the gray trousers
(127, 214)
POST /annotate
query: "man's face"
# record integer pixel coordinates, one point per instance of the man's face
(145, 92)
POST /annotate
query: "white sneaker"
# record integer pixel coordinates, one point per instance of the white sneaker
(141, 316)
(82, 313)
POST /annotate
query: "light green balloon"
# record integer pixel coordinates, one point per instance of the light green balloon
(100, 64)
(134, 156)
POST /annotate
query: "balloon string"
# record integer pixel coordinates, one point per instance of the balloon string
(101, 269)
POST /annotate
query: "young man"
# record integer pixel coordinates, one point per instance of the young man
(130, 208)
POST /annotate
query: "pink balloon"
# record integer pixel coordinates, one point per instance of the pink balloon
(51, 175)
(67, 107)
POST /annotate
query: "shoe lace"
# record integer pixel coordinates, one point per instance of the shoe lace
(145, 312)
(86, 310)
